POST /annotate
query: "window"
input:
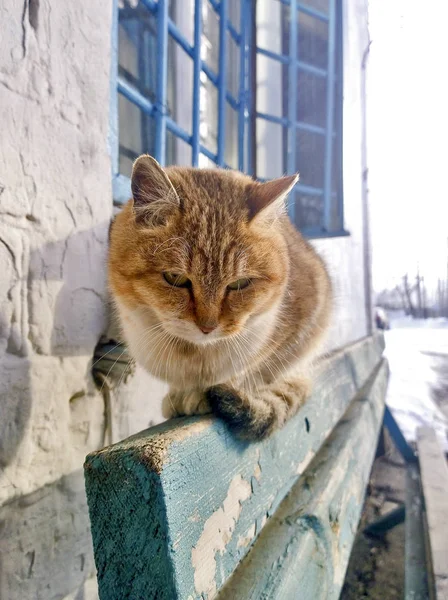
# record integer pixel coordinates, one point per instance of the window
(199, 84)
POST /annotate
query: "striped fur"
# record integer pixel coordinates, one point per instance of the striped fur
(215, 227)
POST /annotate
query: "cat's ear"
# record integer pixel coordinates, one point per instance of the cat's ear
(155, 198)
(266, 201)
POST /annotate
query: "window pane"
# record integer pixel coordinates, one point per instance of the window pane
(209, 92)
(136, 134)
(182, 14)
(312, 42)
(208, 129)
(308, 211)
(136, 46)
(177, 151)
(310, 156)
(310, 147)
(311, 99)
(138, 58)
(269, 149)
(320, 5)
(210, 36)
(269, 81)
(337, 156)
(233, 66)
(231, 149)
(234, 13)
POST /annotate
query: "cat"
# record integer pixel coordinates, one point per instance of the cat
(218, 294)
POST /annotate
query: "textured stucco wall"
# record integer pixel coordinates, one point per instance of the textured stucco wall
(55, 207)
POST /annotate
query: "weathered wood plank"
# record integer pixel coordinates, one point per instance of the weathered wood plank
(416, 582)
(304, 549)
(175, 508)
(434, 476)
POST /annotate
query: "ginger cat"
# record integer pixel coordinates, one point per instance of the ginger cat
(218, 294)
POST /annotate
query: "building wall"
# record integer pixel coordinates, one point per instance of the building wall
(348, 258)
(55, 207)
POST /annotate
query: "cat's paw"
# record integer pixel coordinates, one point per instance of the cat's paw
(185, 403)
(256, 415)
(233, 407)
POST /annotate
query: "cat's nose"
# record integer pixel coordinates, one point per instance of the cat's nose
(207, 328)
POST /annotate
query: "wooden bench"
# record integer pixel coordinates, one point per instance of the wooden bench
(433, 514)
(184, 510)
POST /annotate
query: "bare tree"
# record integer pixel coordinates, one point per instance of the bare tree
(408, 290)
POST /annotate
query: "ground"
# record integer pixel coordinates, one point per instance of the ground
(376, 568)
(418, 393)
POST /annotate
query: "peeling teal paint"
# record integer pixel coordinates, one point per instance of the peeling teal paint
(152, 496)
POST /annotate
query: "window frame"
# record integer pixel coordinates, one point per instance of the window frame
(244, 104)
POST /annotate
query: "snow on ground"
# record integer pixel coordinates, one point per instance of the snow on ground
(413, 346)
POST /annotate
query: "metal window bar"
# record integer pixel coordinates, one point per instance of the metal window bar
(244, 104)
(330, 113)
(292, 99)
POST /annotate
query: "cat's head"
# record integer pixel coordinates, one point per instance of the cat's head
(201, 248)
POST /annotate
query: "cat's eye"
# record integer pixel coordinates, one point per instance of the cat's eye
(239, 284)
(176, 279)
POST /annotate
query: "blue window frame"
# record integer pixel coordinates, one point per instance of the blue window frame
(146, 40)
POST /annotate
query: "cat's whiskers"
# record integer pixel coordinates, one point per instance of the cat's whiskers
(284, 362)
(280, 372)
(103, 355)
(167, 369)
(144, 339)
(148, 335)
(174, 343)
(272, 342)
(229, 350)
(247, 343)
(130, 362)
(160, 345)
(110, 370)
(242, 351)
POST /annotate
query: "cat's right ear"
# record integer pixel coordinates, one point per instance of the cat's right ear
(266, 201)
(155, 198)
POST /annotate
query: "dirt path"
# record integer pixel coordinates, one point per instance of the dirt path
(418, 356)
(376, 568)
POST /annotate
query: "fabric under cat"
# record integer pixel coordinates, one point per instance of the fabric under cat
(218, 294)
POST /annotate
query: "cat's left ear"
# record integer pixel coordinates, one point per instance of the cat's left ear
(154, 196)
(266, 200)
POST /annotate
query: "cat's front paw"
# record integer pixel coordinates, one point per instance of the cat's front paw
(232, 407)
(189, 402)
(256, 415)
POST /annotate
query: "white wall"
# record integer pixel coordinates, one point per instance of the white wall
(55, 206)
(348, 257)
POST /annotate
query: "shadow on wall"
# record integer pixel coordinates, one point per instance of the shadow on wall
(53, 312)
(59, 311)
(45, 547)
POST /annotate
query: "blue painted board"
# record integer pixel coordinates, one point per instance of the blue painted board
(416, 565)
(175, 508)
(303, 551)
